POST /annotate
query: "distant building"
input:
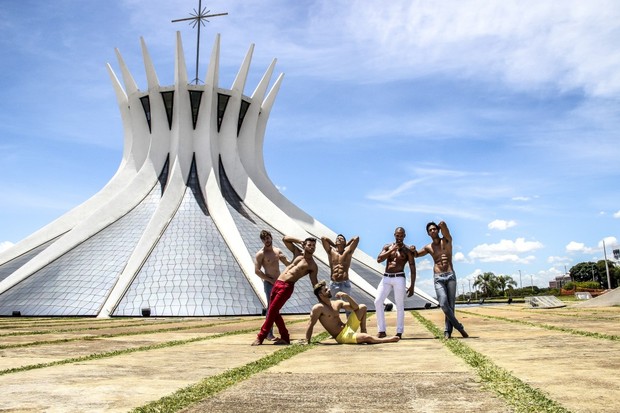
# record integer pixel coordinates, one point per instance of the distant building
(560, 281)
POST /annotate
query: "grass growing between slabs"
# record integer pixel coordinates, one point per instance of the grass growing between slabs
(602, 336)
(215, 384)
(103, 336)
(115, 353)
(518, 394)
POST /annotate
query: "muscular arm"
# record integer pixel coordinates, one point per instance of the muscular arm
(327, 244)
(258, 265)
(413, 273)
(314, 317)
(423, 251)
(385, 252)
(283, 259)
(445, 231)
(349, 303)
(290, 242)
(313, 275)
(352, 244)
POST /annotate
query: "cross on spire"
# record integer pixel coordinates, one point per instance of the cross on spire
(198, 19)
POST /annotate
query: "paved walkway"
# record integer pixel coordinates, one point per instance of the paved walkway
(418, 374)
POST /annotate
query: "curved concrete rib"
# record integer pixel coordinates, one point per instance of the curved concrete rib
(133, 158)
(105, 209)
(175, 187)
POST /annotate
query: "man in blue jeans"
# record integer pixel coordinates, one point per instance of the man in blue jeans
(440, 249)
(340, 254)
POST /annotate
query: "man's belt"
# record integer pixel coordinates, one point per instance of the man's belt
(394, 274)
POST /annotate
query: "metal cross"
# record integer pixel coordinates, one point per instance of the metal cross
(198, 19)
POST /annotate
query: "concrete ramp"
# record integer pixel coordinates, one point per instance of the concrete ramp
(609, 299)
(545, 301)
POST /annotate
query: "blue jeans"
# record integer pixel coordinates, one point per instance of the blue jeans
(344, 286)
(268, 287)
(445, 288)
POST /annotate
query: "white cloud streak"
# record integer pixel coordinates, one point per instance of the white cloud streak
(517, 251)
(501, 225)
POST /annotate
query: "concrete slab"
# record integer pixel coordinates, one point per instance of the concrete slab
(414, 375)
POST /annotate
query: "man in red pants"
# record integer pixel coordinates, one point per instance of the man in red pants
(303, 264)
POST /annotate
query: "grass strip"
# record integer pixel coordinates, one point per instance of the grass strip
(108, 354)
(215, 384)
(127, 333)
(72, 330)
(518, 394)
(590, 334)
(561, 312)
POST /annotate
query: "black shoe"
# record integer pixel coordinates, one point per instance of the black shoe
(381, 334)
(400, 335)
(464, 333)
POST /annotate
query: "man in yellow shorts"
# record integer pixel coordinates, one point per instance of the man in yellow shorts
(327, 312)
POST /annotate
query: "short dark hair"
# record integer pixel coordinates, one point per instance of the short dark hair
(311, 239)
(318, 287)
(264, 234)
(343, 237)
(431, 224)
(399, 228)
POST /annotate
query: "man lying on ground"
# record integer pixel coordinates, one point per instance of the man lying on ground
(327, 312)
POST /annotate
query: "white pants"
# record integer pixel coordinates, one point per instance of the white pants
(383, 290)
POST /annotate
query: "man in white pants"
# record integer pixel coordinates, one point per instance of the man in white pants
(397, 255)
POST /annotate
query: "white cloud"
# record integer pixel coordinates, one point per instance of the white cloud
(609, 242)
(521, 198)
(5, 245)
(527, 44)
(574, 246)
(617, 214)
(506, 251)
(423, 265)
(501, 225)
(459, 257)
(556, 260)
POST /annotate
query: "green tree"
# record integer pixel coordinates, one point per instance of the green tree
(487, 283)
(584, 271)
(505, 281)
(590, 271)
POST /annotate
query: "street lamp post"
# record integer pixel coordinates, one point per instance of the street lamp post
(606, 266)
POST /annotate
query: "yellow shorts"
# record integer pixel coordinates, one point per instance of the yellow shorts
(348, 335)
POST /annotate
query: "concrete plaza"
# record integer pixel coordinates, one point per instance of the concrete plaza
(571, 354)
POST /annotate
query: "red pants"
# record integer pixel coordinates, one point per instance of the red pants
(280, 294)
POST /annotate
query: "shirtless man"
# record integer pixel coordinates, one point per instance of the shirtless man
(440, 249)
(303, 264)
(397, 255)
(328, 313)
(340, 254)
(267, 267)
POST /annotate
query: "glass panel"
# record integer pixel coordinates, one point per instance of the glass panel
(146, 105)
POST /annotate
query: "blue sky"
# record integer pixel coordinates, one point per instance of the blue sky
(501, 118)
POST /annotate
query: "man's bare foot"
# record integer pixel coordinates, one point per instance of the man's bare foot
(381, 334)
(394, 339)
(257, 342)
